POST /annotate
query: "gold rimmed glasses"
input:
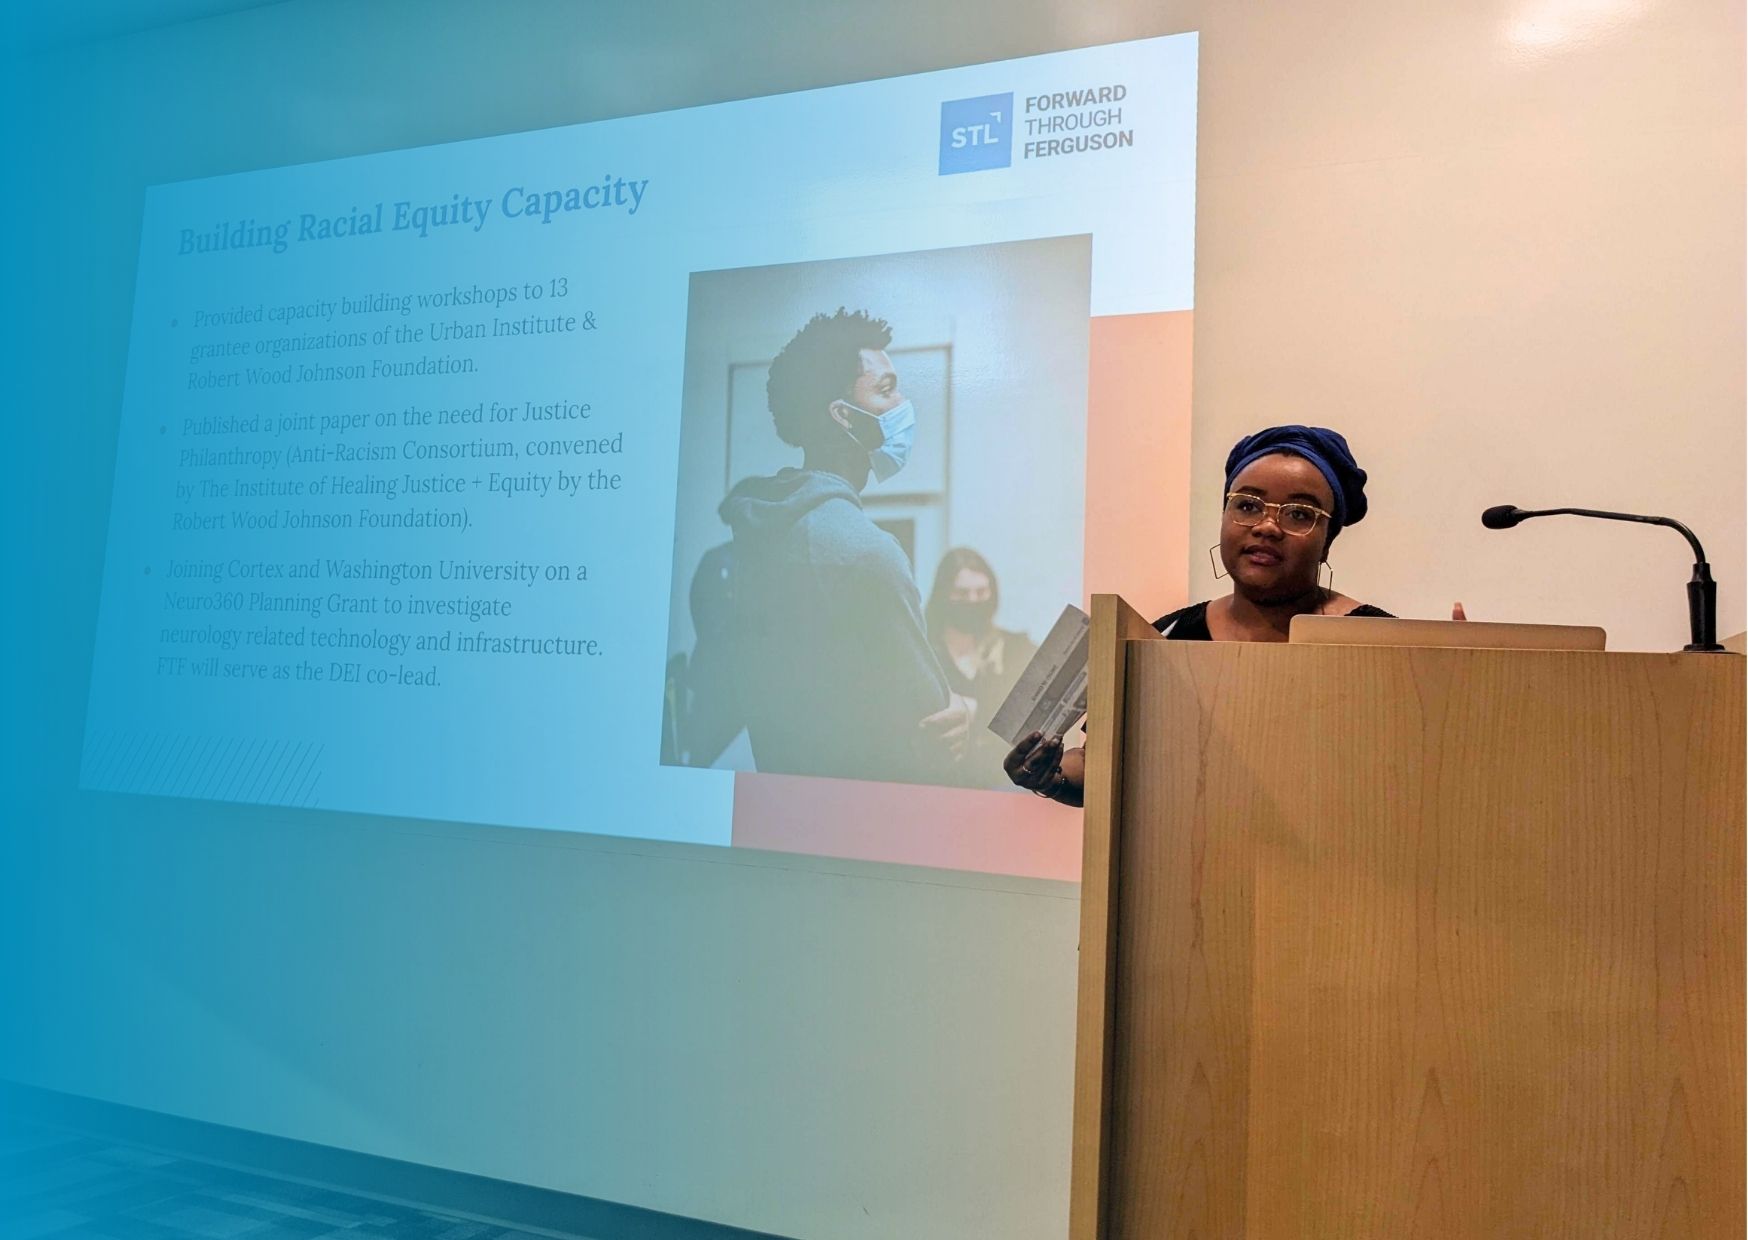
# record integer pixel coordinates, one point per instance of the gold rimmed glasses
(1294, 517)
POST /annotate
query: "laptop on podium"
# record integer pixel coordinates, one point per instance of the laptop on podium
(1464, 634)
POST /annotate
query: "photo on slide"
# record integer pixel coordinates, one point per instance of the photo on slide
(880, 507)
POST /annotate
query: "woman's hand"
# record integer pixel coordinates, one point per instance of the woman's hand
(950, 728)
(1044, 767)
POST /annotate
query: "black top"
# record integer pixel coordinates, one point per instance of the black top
(1191, 623)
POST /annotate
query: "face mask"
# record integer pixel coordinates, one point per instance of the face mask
(897, 432)
(971, 617)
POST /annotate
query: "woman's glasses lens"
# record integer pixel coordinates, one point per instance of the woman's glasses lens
(1292, 518)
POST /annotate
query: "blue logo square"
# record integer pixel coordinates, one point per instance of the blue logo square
(977, 133)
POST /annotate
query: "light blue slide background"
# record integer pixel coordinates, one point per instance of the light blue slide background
(553, 741)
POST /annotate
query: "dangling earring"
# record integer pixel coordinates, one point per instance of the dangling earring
(1330, 588)
(1215, 563)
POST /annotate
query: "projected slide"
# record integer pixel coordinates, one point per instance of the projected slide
(701, 476)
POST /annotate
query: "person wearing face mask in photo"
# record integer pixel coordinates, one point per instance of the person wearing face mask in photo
(834, 673)
(982, 660)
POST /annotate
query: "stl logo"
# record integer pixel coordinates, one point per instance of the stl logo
(977, 133)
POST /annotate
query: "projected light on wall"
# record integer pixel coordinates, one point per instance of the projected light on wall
(426, 491)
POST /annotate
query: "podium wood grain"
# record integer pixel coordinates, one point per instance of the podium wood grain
(1421, 943)
(1115, 627)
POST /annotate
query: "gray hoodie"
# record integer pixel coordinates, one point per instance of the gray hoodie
(833, 666)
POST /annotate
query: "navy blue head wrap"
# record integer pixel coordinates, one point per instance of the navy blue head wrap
(1325, 449)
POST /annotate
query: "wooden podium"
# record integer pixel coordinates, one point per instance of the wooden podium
(1408, 943)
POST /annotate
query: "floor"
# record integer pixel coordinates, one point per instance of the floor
(60, 1185)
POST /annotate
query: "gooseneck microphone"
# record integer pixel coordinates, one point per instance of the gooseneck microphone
(1702, 591)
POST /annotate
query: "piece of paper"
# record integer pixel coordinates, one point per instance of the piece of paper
(1050, 696)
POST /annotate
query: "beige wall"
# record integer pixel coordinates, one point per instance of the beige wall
(1509, 265)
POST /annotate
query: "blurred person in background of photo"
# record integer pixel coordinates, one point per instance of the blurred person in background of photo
(982, 661)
